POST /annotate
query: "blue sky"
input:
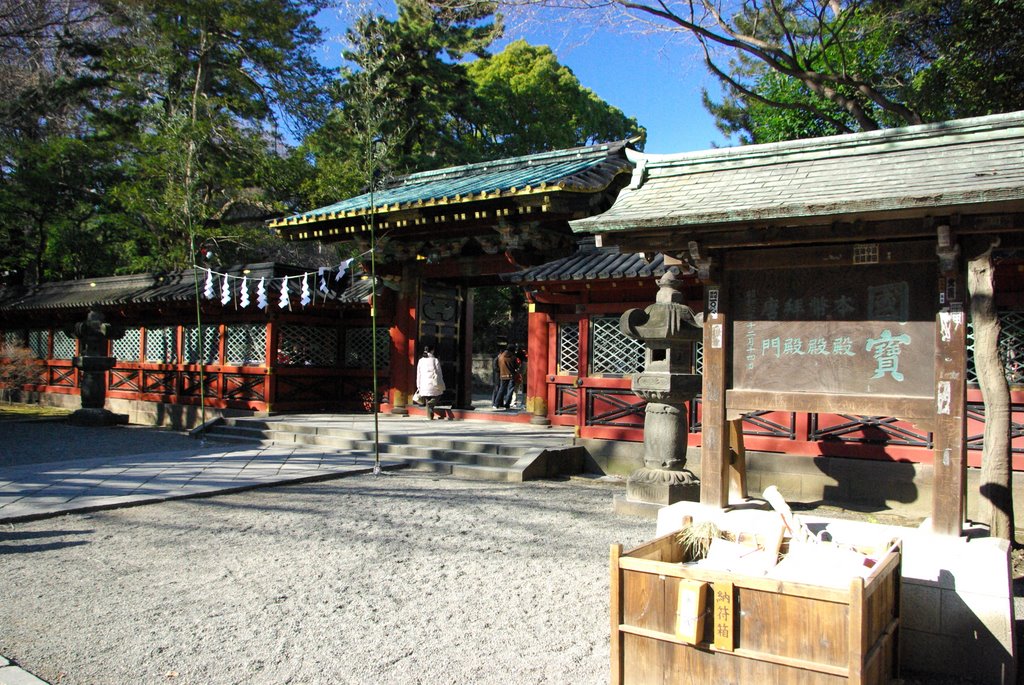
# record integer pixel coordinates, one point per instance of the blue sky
(646, 77)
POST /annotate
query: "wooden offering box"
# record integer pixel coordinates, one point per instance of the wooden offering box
(749, 629)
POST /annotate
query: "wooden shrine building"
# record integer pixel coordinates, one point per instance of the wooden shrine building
(437, 235)
(282, 356)
(833, 273)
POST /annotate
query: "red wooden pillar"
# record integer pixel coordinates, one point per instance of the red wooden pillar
(403, 345)
(273, 345)
(949, 442)
(537, 346)
(582, 372)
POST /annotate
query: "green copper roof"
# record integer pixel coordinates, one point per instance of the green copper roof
(585, 169)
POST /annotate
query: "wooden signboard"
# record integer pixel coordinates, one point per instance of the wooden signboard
(831, 322)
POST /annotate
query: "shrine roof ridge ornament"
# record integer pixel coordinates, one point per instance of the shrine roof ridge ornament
(966, 166)
(583, 169)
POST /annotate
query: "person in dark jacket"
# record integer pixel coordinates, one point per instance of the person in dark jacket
(505, 364)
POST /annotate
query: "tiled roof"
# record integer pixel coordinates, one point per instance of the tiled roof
(178, 286)
(592, 264)
(584, 169)
(954, 166)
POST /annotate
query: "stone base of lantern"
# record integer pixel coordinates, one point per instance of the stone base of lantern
(97, 417)
(647, 490)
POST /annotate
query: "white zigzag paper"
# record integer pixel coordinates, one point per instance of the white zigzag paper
(284, 302)
(208, 293)
(261, 294)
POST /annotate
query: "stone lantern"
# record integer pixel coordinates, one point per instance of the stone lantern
(669, 330)
(93, 334)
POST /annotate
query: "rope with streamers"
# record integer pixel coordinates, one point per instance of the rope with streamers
(239, 287)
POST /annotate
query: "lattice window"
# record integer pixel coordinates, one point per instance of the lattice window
(127, 347)
(14, 338)
(359, 348)
(612, 351)
(210, 349)
(245, 344)
(1011, 348)
(160, 345)
(568, 349)
(307, 346)
(63, 345)
(38, 342)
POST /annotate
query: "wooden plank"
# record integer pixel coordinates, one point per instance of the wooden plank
(714, 451)
(829, 256)
(737, 462)
(690, 609)
(917, 410)
(782, 587)
(616, 615)
(649, 601)
(765, 657)
(950, 448)
(723, 613)
(794, 627)
(857, 632)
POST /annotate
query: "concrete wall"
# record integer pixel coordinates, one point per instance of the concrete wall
(175, 416)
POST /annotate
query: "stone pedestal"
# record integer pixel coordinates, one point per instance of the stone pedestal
(97, 417)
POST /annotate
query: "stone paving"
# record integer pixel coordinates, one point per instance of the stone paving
(124, 466)
(54, 488)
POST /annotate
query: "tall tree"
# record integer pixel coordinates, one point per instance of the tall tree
(941, 59)
(202, 85)
(430, 106)
(530, 103)
(418, 55)
(53, 168)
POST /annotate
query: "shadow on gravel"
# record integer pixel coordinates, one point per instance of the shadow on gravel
(31, 540)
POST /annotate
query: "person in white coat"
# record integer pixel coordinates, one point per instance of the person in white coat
(429, 380)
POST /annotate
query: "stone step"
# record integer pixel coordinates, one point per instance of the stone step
(430, 465)
(497, 460)
(477, 472)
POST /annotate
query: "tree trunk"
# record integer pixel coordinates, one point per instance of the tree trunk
(996, 486)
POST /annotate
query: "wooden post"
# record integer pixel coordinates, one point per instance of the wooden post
(273, 348)
(403, 341)
(539, 325)
(582, 372)
(737, 463)
(714, 451)
(949, 443)
(616, 616)
(464, 384)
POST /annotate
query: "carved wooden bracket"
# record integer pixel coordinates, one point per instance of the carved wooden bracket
(701, 260)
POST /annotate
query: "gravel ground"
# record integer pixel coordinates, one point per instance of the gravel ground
(391, 579)
(400, 578)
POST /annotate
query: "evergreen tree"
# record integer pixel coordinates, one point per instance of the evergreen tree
(530, 103)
